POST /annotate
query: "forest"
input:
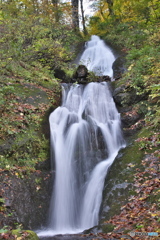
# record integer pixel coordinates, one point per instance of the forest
(39, 41)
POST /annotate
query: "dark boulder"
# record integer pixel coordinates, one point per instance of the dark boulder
(125, 96)
(80, 75)
(83, 76)
(60, 74)
(81, 72)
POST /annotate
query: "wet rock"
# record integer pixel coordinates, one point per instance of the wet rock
(81, 72)
(118, 68)
(128, 104)
(118, 184)
(80, 75)
(73, 237)
(45, 128)
(105, 78)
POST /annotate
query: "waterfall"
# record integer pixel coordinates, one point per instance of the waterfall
(98, 57)
(85, 139)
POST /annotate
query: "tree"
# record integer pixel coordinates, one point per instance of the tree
(75, 17)
(110, 7)
(83, 18)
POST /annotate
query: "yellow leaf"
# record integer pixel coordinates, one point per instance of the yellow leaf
(131, 66)
(154, 214)
(142, 198)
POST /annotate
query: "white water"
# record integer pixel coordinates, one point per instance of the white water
(85, 139)
(98, 57)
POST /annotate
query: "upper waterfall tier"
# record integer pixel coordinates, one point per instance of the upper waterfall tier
(98, 57)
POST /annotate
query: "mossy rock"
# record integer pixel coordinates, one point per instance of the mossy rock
(25, 235)
(106, 228)
(32, 235)
(118, 184)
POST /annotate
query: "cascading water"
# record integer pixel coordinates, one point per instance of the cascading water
(97, 57)
(85, 139)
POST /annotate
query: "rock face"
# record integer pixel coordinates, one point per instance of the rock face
(26, 198)
(118, 67)
(128, 104)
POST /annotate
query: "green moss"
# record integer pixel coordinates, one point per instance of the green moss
(38, 180)
(145, 132)
(26, 149)
(118, 186)
(17, 232)
(32, 235)
(27, 235)
(131, 154)
(119, 83)
(106, 228)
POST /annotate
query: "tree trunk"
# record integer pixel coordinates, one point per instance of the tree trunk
(56, 10)
(75, 17)
(83, 19)
(110, 7)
